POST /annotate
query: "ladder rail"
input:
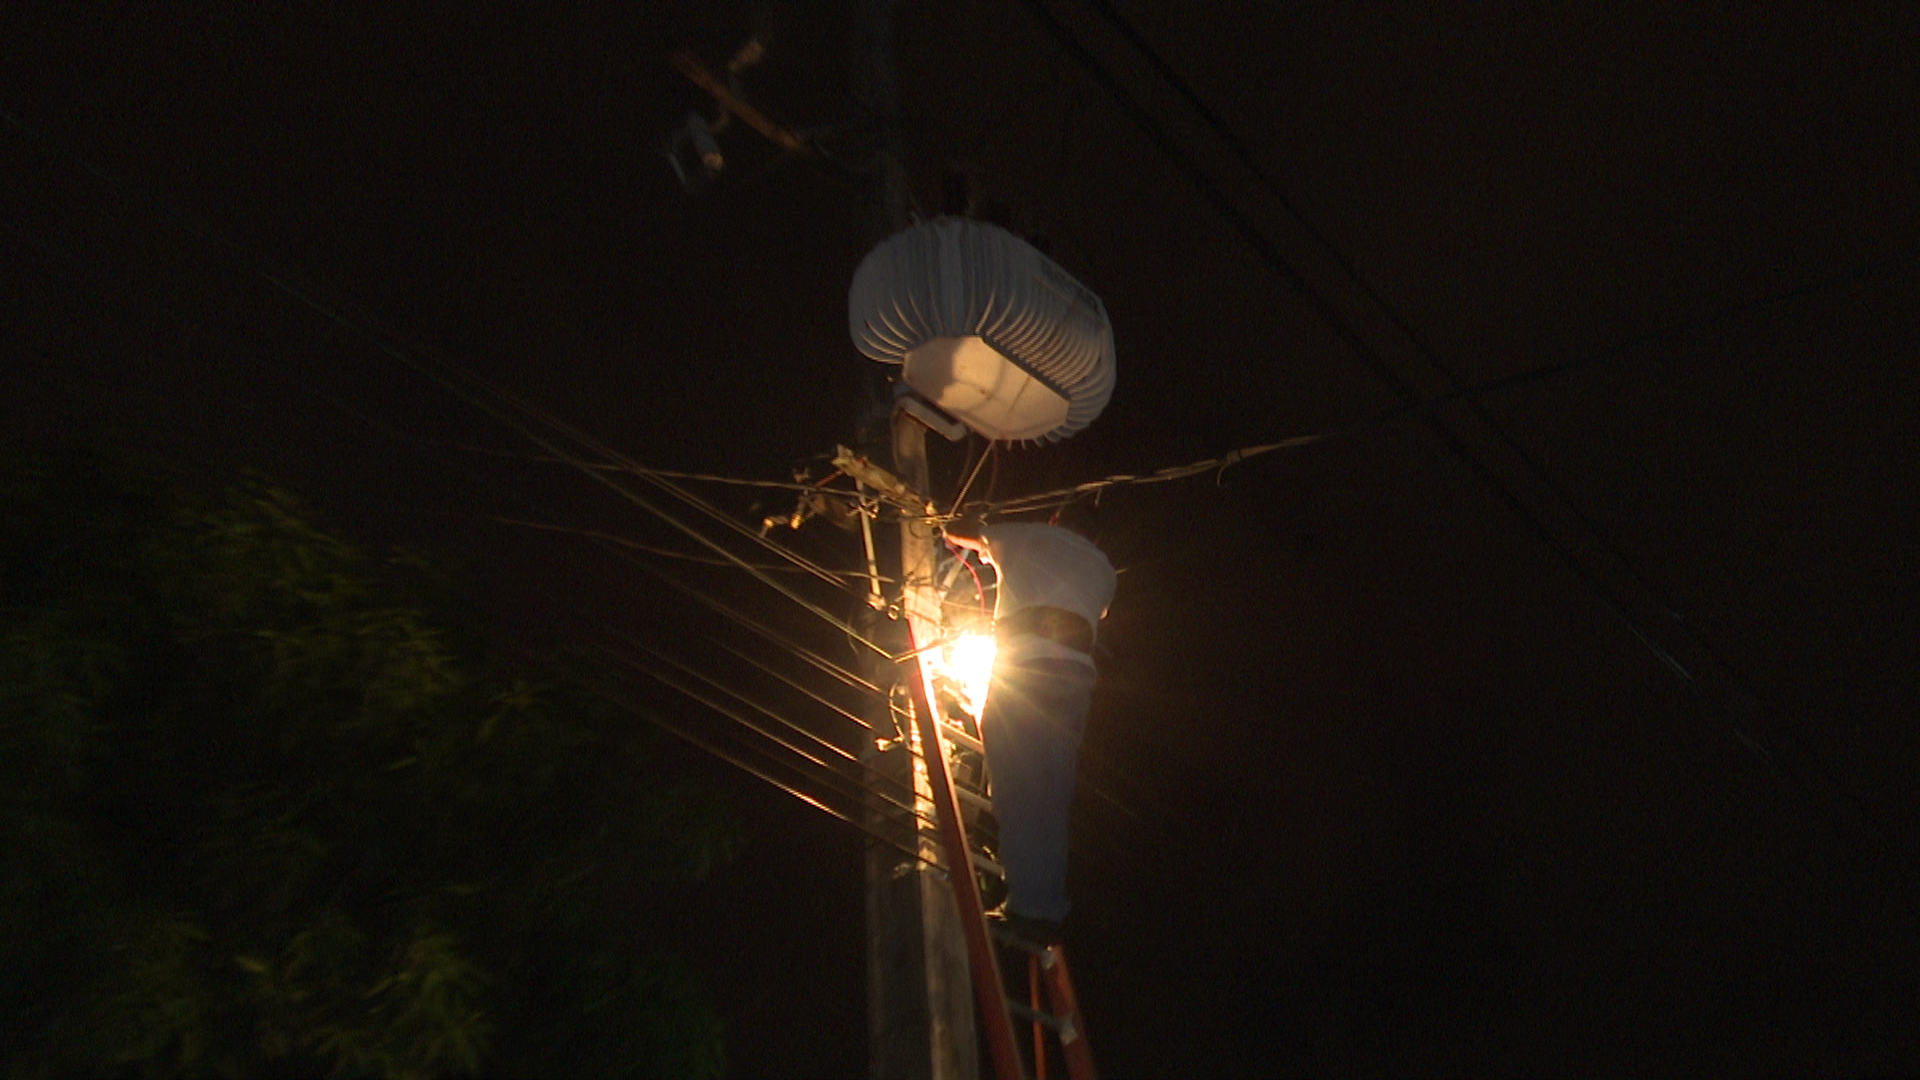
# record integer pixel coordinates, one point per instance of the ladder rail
(983, 961)
(1066, 1006)
(1039, 1039)
(1047, 965)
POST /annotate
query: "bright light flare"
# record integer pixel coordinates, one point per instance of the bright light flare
(967, 663)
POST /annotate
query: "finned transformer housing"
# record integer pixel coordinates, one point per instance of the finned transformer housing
(985, 327)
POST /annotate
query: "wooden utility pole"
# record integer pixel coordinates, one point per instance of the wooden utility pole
(920, 1018)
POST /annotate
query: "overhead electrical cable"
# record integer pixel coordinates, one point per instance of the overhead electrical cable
(1860, 271)
(665, 553)
(608, 453)
(850, 785)
(1318, 302)
(832, 577)
(710, 747)
(834, 751)
(1617, 606)
(477, 392)
(813, 658)
(819, 745)
(451, 377)
(1424, 348)
(768, 669)
(1176, 472)
(671, 474)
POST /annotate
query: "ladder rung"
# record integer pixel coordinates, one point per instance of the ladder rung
(980, 802)
(961, 738)
(1014, 941)
(1061, 1024)
(981, 862)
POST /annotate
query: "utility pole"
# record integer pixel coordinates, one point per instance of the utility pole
(920, 1017)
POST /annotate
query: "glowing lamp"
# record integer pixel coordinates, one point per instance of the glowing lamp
(966, 661)
(986, 328)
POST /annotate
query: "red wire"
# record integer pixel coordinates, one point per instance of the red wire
(979, 590)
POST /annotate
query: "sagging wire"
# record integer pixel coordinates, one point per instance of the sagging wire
(811, 657)
(720, 752)
(862, 786)
(979, 589)
(448, 374)
(794, 683)
(649, 470)
(849, 678)
(1321, 305)
(830, 576)
(689, 670)
(450, 377)
(649, 549)
(638, 500)
(1050, 499)
(610, 454)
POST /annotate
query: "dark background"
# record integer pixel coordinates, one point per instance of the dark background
(1403, 781)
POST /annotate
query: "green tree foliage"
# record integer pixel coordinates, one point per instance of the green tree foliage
(261, 814)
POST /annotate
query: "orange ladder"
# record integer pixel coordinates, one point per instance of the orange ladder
(1045, 965)
(1048, 965)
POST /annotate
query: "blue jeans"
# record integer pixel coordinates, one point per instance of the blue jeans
(1036, 714)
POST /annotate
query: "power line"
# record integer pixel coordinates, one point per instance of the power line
(475, 391)
(502, 405)
(654, 476)
(665, 553)
(844, 675)
(1324, 308)
(758, 773)
(972, 475)
(860, 786)
(1859, 271)
(1219, 464)
(672, 474)
(841, 710)
(456, 380)
(838, 753)
(1010, 506)
(633, 497)
(1429, 353)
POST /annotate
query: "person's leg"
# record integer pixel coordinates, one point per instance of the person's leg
(1034, 720)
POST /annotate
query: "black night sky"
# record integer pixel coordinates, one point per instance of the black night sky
(1396, 770)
